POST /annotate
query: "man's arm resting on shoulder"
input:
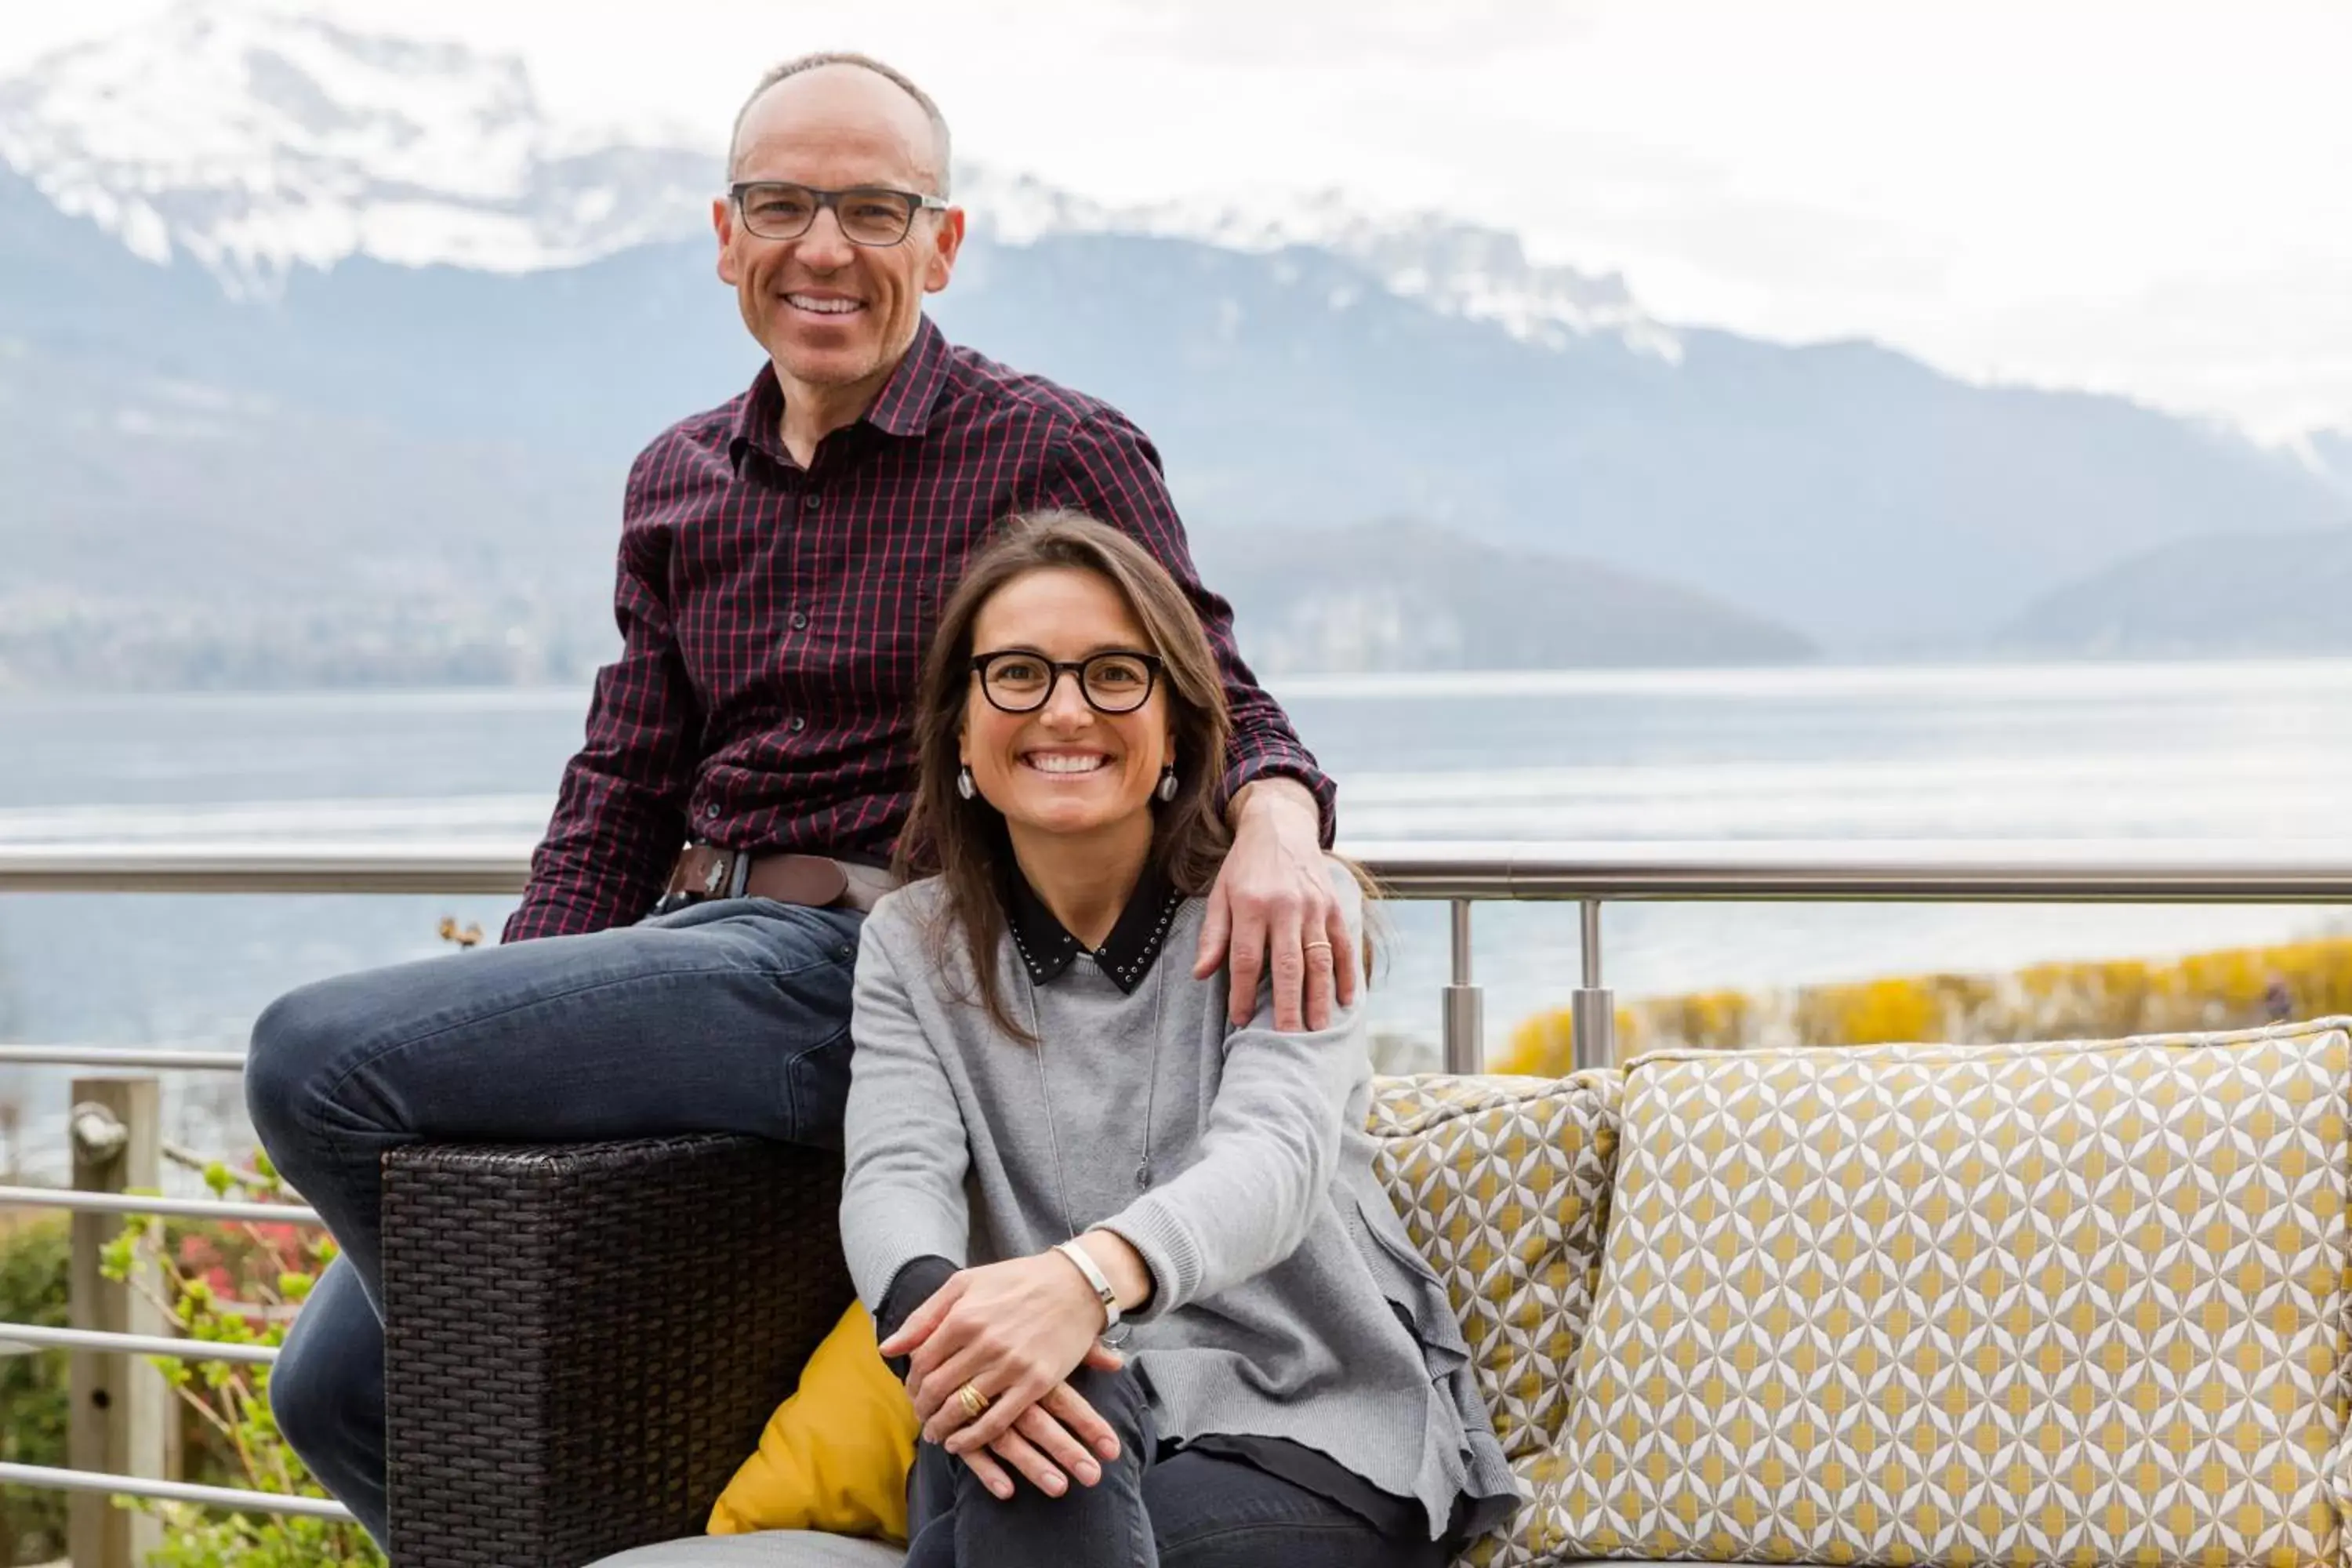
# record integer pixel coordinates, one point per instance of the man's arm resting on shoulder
(620, 818)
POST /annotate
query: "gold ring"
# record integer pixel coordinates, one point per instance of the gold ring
(973, 1401)
(1311, 946)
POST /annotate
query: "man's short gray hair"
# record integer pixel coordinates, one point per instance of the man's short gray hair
(891, 74)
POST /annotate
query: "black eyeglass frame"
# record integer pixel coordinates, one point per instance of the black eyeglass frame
(1152, 662)
(823, 199)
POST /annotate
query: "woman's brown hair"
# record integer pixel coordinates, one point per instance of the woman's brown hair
(964, 842)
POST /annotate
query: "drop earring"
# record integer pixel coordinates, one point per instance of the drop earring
(1166, 790)
(963, 783)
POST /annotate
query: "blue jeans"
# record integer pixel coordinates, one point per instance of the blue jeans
(729, 1016)
(1189, 1510)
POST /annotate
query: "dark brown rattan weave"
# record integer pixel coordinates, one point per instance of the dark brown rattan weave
(582, 1342)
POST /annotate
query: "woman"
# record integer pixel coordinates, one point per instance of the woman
(1056, 1138)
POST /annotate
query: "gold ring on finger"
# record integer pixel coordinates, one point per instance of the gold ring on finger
(975, 1403)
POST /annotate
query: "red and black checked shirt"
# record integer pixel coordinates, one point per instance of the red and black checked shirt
(773, 622)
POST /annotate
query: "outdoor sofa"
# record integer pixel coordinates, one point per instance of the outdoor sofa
(2083, 1303)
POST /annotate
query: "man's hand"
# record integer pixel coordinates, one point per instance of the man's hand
(1273, 910)
(1013, 1330)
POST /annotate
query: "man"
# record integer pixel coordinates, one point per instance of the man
(782, 561)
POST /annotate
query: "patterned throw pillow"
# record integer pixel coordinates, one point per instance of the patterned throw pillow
(1504, 1184)
(2078, 1304)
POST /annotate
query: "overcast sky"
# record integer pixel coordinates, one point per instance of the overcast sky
(2150, 197)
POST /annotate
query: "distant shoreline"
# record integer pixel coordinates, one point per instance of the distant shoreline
(2031, 677)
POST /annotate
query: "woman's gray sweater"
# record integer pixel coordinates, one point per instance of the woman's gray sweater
(1289, 1300)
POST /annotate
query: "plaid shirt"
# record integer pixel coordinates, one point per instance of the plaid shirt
(774, 619)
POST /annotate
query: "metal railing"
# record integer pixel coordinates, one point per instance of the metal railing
(1459, 874)
(1462, 874)
(117, 1408)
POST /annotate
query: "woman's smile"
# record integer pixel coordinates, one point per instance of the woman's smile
(1066, 762)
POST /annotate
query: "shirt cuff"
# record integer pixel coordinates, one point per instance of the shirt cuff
(915, 1283)
(1326, 792)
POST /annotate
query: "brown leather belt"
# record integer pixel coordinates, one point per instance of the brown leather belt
(818, 881)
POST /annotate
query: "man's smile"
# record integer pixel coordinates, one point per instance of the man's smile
(836, 305)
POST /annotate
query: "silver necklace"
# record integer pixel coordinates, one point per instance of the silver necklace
(1045, 1087)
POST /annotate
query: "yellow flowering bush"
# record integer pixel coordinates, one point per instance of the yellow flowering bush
(2092, 999)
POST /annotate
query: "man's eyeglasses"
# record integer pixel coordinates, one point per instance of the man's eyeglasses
(869, 214)
(1015, 680)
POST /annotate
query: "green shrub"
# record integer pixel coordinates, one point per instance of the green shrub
(235, 1284)
(33, 1393)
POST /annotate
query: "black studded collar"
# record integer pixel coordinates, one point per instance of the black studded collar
(1125, 955)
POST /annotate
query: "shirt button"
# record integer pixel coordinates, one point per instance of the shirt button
(711, 810)
(798, 620)
(812, 500)
(799, 724)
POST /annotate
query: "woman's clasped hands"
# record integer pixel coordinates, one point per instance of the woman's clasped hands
(1003, 1338)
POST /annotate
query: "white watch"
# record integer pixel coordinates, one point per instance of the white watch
(1095, 1279)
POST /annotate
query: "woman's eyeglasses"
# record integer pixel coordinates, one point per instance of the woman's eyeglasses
(1015, 680)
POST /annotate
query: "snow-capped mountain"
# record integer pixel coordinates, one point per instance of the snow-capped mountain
(1457, 268)
(257, 140)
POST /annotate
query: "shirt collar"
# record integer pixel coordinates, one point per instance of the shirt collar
(757, 421)
(903, 408)
(1046, 947)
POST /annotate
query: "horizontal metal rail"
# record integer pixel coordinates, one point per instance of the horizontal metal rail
(263, 867)
(175, 1208)
(1925, 871)
(1940, 870)
(135, 1344)
(51, 1479)
(151, 1060)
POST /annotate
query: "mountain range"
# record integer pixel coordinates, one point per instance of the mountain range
(2250, 596)
(321, 355)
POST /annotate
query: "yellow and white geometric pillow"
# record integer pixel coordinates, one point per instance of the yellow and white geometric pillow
(1503, 1183)
(2078, 1304)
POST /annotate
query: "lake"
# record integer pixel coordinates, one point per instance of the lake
(2108, 752)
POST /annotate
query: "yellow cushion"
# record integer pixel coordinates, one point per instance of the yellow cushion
(835, 1456)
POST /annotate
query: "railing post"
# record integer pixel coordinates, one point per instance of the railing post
(1465, 1003)
(120, 1419)
(1594, 1010)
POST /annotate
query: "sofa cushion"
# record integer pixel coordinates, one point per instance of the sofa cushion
(767, 1549)
(1503, 1183)
(2078, 1304)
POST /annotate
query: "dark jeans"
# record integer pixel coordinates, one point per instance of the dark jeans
(729, 1017)
(1187, 1510)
